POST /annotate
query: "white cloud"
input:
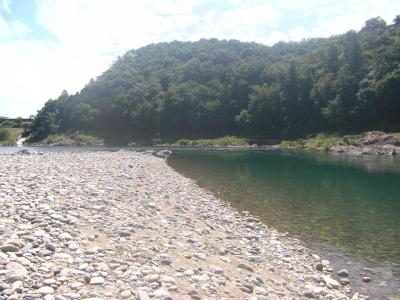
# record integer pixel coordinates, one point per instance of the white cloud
(37, 71)
(113, 25)
(175, 7)
(336, 17)
(5, 5)
(13, 29)
(91, 33)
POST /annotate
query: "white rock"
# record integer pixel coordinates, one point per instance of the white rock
(188, 272)
(97, 280)
(125, 294)
(330, 282)
(168, 279)
(17, 285)
(65, 236)
(200, 256)
(200, 278)
(39, 233)
(46, 290)
(216, 270)
(142, 295)
(16, 268)
(73, 246)
(162, 294)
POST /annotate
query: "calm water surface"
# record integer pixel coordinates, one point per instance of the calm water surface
(347, 209)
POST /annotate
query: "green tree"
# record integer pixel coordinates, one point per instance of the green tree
(265, 111)
(388, 91)
(210, 87)
(291, 94)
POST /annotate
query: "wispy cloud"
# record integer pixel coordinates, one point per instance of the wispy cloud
(12, 30)
(89, 34)
(5, 5)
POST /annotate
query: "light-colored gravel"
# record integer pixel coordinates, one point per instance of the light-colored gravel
(124, 225)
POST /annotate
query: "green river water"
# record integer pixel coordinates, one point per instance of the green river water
(346, 209)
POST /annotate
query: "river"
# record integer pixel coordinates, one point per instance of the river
(347, 209)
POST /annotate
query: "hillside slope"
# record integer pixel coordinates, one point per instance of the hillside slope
(345, 83)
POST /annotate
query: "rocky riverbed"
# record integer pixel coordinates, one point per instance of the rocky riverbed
(124, 225)
(370, 143)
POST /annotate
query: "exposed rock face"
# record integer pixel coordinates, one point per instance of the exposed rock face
(369, 144)
(124, 225)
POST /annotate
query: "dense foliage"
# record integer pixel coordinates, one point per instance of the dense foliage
(8, 136)
(11, 123)
(4, 135)
(347, 83)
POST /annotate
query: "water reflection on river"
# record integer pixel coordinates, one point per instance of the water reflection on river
(346, 208)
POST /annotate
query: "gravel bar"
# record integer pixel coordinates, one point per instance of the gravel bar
(125, 225)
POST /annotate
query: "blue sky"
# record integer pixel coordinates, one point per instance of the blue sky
(50, 45)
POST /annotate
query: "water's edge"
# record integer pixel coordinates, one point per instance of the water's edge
(383, 284)
(340, 258)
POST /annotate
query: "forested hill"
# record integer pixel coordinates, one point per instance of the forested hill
(345, 83)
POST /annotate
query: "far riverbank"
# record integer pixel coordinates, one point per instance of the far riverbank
(373, 143)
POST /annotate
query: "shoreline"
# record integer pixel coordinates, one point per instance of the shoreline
(366, 144)
(109, 225)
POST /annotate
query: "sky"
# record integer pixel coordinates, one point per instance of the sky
(47, 46)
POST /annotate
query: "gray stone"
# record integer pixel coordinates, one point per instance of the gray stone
(246, 267)
(260, 291)
(8, 292)
(9, 248)
(124, 233)
(194, 295)
(167, 260)
(201, 256)
(343, 273)
(51, 247)
(310, 294)
(4, 286)
(200, 278)
(247, 289)
(216, 270)
(15, 277)
(330, 282)
(344, 281)
(319, 267)
(366, 279)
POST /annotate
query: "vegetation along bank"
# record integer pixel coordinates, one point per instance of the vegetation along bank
(344, 84)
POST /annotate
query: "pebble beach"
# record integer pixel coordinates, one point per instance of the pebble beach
(125, 225)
